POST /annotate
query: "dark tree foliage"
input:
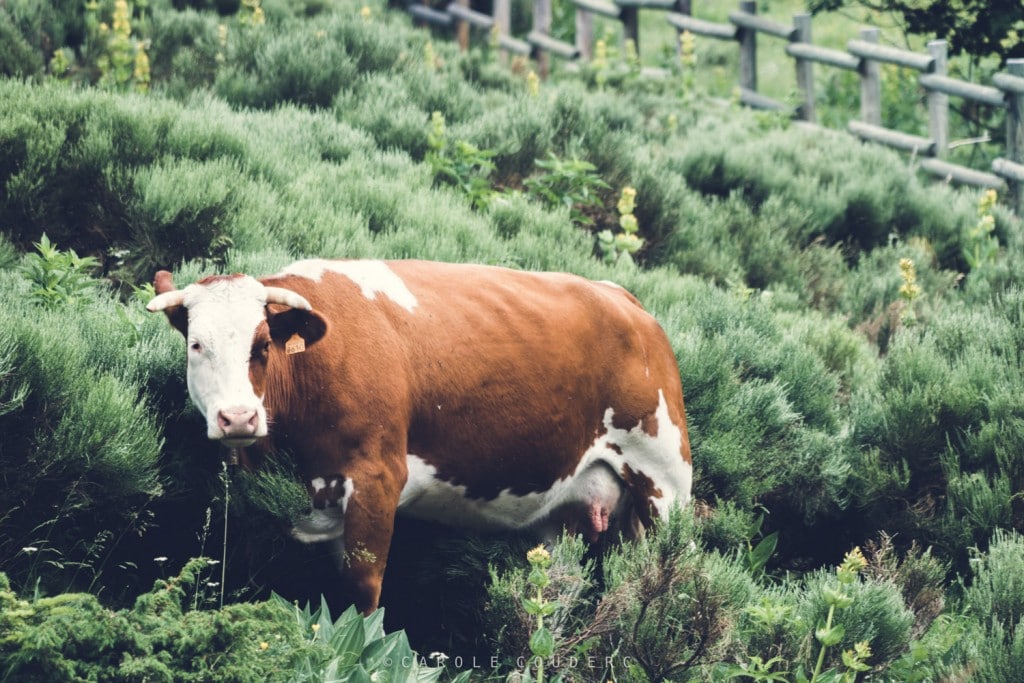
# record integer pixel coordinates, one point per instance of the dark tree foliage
(977, 27)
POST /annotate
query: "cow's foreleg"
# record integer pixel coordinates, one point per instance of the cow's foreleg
(369, 523)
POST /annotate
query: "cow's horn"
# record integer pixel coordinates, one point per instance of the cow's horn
(166, 300)
(280, 295)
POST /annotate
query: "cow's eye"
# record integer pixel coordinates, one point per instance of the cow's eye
(195, 347)
(261, 350)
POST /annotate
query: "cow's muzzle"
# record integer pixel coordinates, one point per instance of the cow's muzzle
(238, 426)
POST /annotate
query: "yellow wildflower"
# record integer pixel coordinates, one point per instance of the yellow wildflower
(538, 556)
(141, 71)
(687, 49)
(627, 202)
(533, 83)
(122, 18)
(855, 560)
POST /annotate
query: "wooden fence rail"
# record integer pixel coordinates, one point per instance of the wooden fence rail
(863, 55)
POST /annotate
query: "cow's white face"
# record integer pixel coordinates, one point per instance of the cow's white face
(223, 319)
(230, 333)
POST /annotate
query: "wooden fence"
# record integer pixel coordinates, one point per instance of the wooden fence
(863, 55)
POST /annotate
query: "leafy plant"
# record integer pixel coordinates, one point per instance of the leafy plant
(756, 556)
(460, 163)
(770, 615)
(57, 277)
(352, 648)
(573, 183)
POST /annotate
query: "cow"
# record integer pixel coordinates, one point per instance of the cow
(477, 396)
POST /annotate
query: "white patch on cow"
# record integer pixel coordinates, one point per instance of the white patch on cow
(318, 484)
(372, 277)
(616, 285)
(657, 457)
(222, 319)
(326, 524)
(428, 497)
(596, 480)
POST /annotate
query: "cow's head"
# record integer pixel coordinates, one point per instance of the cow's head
(233, 325)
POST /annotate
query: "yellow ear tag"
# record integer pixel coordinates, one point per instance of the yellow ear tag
(295, 345)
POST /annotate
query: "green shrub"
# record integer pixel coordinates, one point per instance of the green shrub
(17, 58)
(664, 609)
(81, 448)
(994, 599)
(73, 637)
(301, 67)
(929, 426)
(859, 195)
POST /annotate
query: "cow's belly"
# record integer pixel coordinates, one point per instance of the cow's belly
(426, 497)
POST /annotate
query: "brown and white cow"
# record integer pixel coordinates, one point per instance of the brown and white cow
(478, 396)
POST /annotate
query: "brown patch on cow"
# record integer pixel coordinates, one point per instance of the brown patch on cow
(650, 425)
(211, 279)
(642, 488)
(623, 421)
(163, 282)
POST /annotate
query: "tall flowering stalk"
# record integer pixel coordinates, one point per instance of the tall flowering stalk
(123, 62)
(627, 242)
(909, 290)
(981, 245)
(837, 598)
(542, 642)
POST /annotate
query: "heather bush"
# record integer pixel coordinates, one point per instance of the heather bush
(929, 425)
(164, 637)
(81, 448)
(856, 194)
(993, 599)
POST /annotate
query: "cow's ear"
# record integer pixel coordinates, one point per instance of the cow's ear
(169, 300)
(285, 323)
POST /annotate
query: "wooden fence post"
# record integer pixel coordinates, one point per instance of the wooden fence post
(870, 83)
(938, 102)
(585, 34)
(542, 25)
(748, 50)
(1015, 133)
(503, 21)
(462, 28)
(804, 67)
(630, 18)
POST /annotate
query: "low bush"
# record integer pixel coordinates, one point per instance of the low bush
(163, 637)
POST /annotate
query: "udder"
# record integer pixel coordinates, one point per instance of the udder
(593, 505)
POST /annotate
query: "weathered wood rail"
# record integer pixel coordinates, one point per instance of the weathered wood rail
(864, 55)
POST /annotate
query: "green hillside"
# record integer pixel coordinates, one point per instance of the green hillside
(849, 338)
